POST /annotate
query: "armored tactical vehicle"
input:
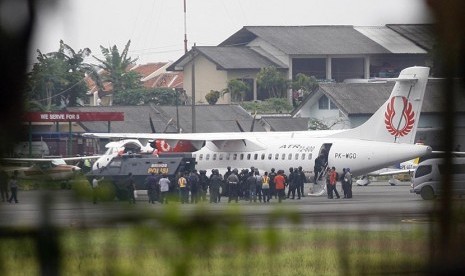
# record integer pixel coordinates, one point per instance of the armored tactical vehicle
(140, 166)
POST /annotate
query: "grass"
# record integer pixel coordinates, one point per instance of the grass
(219, 250)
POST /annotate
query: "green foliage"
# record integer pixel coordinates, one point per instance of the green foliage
(172, 242)
(116, 65)
(158, 96)
(272, 81)
(57, 78)
(304, 82)
(271, 105)
(212, 96)
(238, 89)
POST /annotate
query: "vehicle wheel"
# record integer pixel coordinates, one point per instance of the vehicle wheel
(427, 193)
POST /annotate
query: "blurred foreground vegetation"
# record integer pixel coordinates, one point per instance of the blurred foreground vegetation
(176, 246)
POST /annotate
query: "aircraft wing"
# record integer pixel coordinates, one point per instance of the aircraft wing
(49, 160)
(215, 141)
(394, 172)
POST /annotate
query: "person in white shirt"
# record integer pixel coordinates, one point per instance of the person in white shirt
(164, 188)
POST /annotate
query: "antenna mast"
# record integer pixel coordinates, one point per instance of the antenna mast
(185, 29)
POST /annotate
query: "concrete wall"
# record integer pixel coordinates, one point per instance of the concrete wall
(207, 77)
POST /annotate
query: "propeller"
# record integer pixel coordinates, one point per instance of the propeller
(251, 127)
(167, 125)
(152, 127)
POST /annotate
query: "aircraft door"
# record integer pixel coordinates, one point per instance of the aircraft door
(321, 162)
(324, 153)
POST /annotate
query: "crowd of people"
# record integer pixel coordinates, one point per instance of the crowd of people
(234, 186)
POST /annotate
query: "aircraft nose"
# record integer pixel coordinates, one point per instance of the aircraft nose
(76, 169)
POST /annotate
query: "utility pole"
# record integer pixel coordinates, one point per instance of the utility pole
(193, 51)
(185, 29)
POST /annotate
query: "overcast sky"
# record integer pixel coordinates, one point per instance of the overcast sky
(156, 27)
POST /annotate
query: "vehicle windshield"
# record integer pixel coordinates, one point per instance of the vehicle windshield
(423, 170)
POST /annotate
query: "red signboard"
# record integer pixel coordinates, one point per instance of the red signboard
(72, 116)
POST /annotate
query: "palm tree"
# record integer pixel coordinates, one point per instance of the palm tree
(115, 66)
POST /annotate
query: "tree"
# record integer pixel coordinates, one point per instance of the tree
(115, 66)
(272, 81)
(305, 83)
(57, 79)
(237, 89)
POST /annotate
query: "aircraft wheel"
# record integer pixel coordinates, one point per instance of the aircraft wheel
(427, 193)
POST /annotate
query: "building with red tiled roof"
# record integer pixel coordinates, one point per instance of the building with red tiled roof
(153, 75)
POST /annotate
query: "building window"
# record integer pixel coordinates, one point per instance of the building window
(325, 103)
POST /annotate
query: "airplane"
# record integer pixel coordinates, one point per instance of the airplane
(43, 169)
(385, 138)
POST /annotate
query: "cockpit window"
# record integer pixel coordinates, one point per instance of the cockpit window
(423, 170)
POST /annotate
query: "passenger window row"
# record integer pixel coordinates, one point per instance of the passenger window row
(254, 156)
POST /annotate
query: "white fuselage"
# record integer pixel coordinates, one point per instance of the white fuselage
(358, 155)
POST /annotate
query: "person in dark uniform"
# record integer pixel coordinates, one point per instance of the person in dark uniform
(215, 183)
(343, 182)
(13, 183)
(348, 180)
(295, 184)
(194, 186)
(302, 181)
(252, 185)
(233, 183)
(151, 185)
(204, 182)
(131, 187)
(4, 185)
(290, 181)
(317, 168)
(272, 175)
(224, 185)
